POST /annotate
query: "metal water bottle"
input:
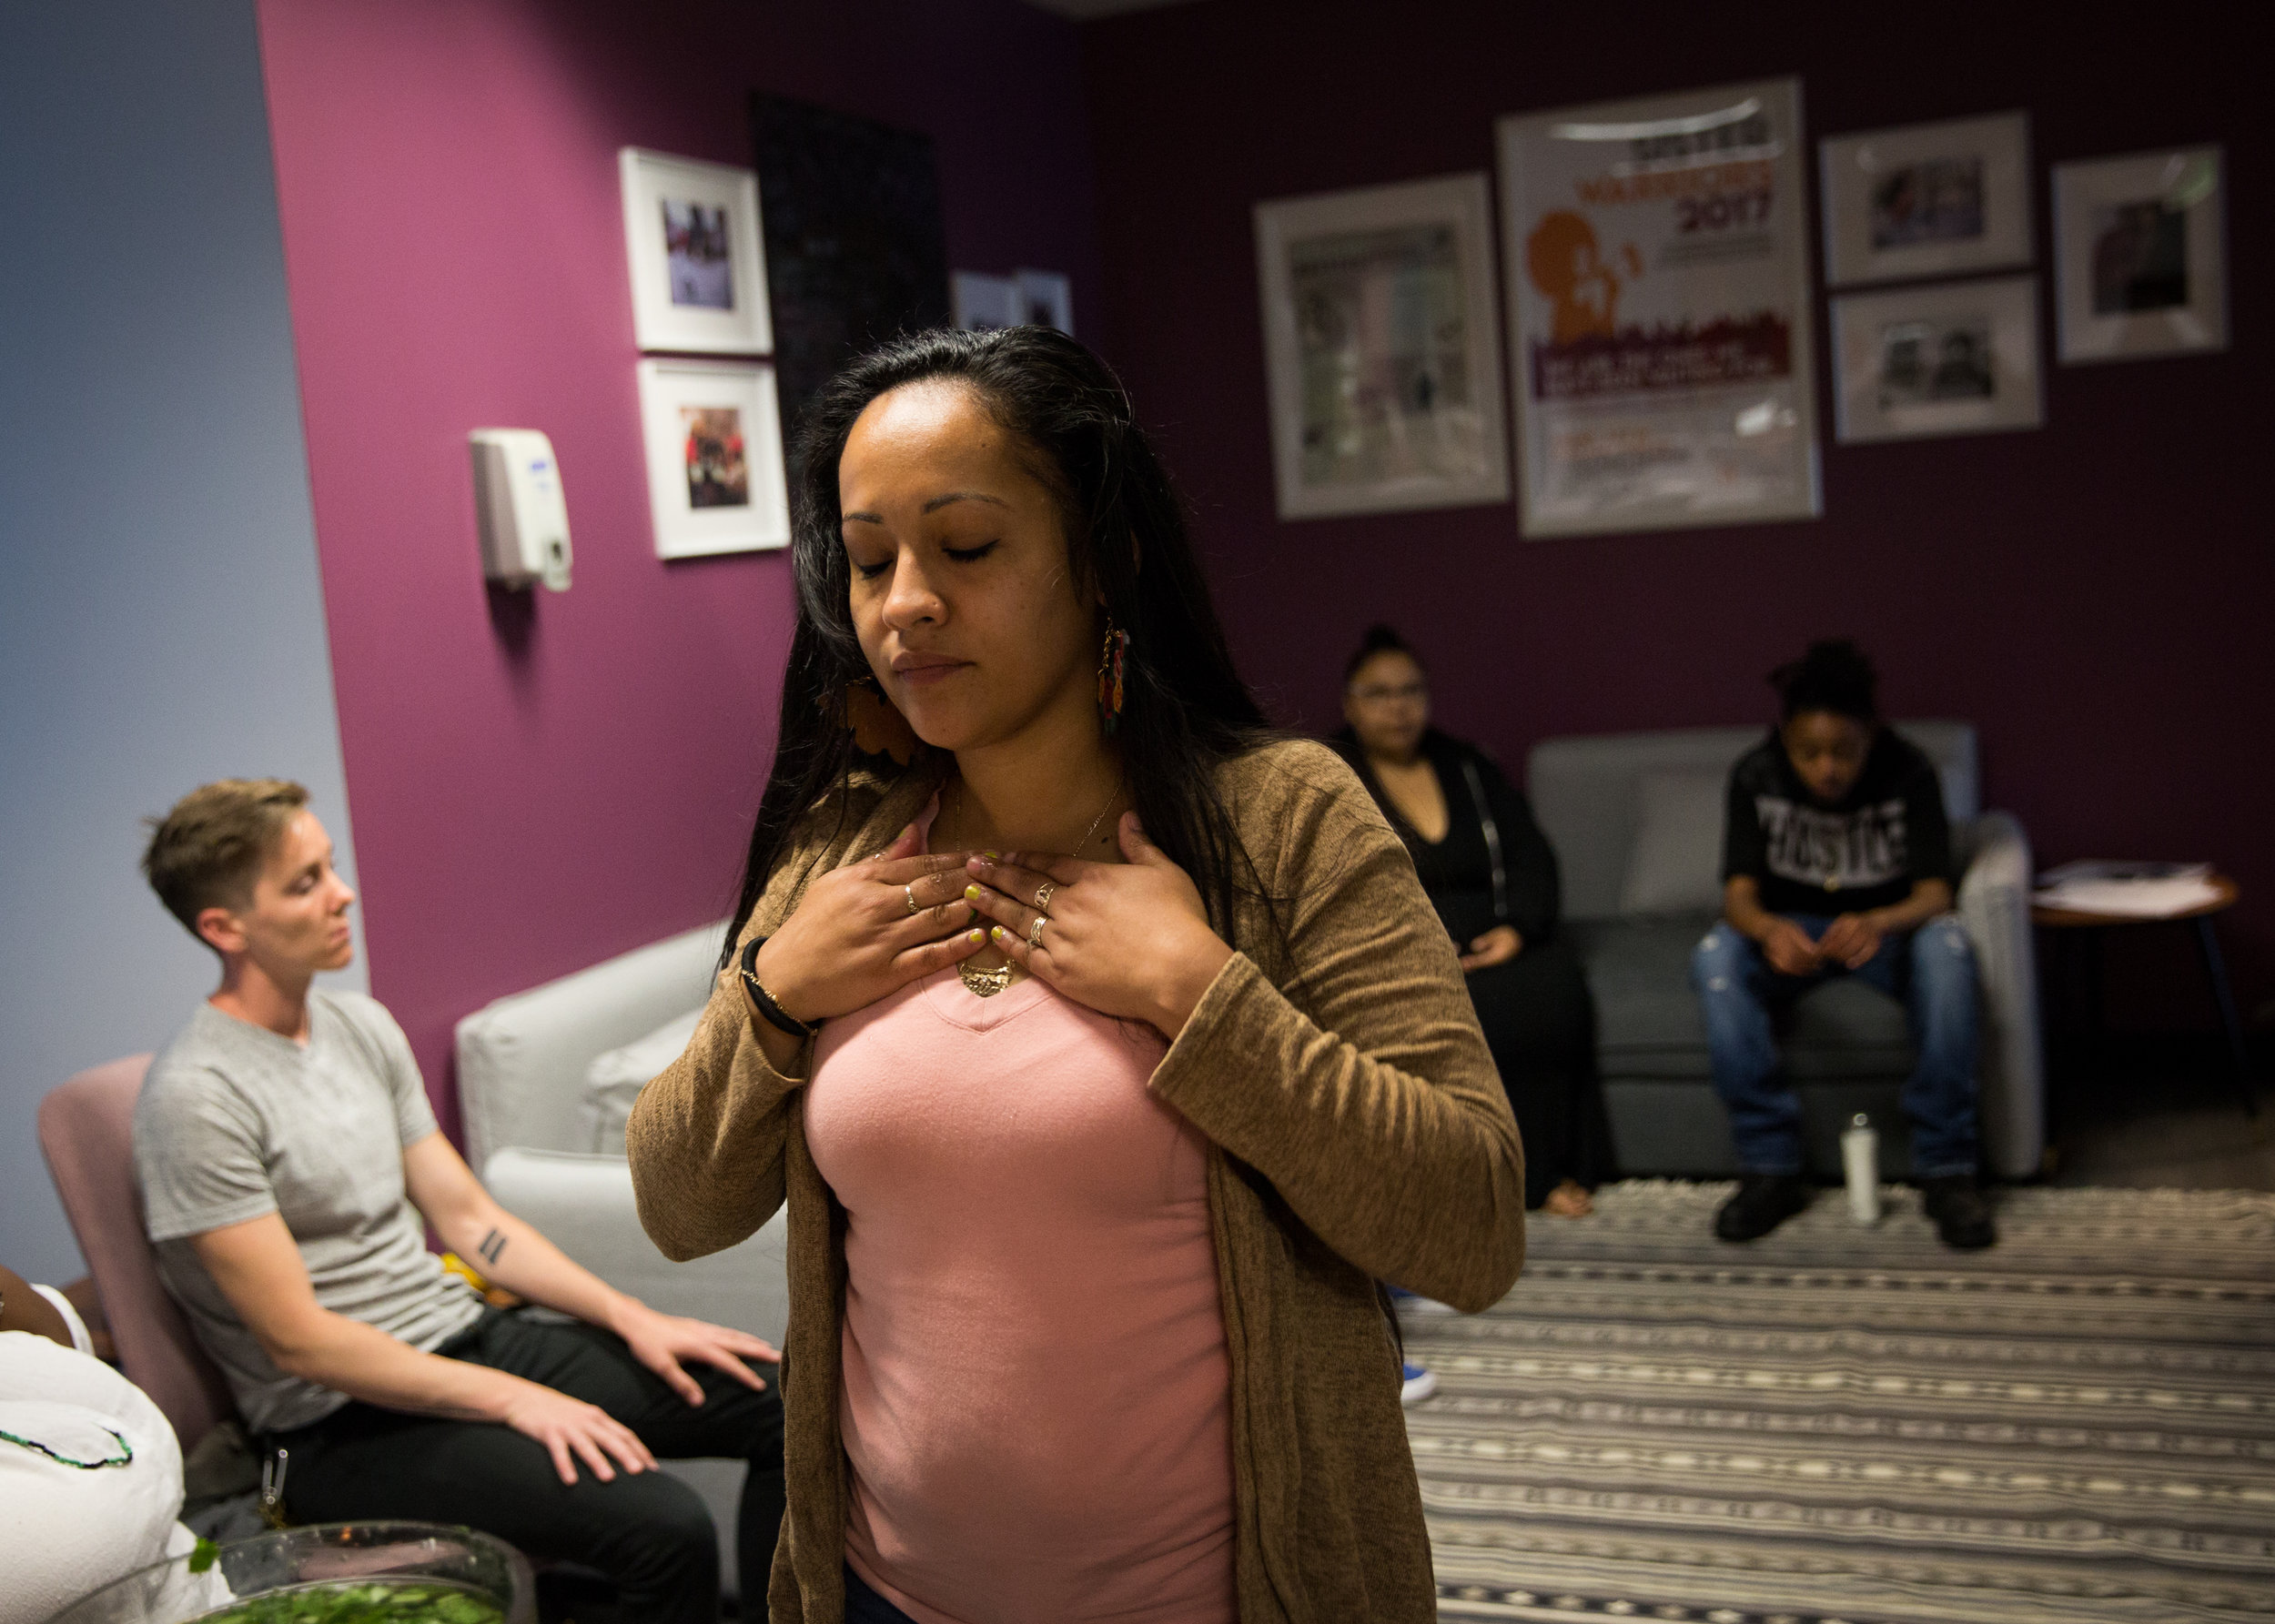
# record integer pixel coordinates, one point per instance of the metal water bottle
(1860, 1162)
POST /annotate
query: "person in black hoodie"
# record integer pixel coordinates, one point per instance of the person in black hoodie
(1491, 876)
(1837, 861)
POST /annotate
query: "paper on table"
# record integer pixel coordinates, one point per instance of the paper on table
(2131, 899)
(2103, 868)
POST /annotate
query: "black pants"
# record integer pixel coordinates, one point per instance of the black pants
(1538, 1019)
(648, 1531)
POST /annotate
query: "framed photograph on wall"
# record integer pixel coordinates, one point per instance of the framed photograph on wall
(692, 236)
(1926, 200)
(714, 435)
(1023, 298)
(1046, 298)
(1382, 353)
(2140, 245)
(981, 302)
(1660, 311)
(1955, 358)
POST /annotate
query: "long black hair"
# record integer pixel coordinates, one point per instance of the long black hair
(1186, 710)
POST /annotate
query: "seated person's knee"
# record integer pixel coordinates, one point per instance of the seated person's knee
(679, 1523)
(660, 1530)
(1719, 960)
(1942, 946)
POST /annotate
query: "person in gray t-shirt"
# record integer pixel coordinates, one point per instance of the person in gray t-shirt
(289, 1164)
(234, 1122)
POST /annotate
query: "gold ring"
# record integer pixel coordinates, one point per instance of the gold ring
(1043, 896)
(909, 890)
(1035, 932)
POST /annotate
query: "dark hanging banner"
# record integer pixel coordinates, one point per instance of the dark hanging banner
(856, 250)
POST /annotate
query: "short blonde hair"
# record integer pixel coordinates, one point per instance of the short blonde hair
(207, 851)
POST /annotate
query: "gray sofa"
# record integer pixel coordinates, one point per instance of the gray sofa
(1636, 822)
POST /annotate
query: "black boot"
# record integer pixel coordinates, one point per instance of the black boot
(1763, 1201)
(1961, 1212)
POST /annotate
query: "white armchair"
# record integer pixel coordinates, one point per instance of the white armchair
(522, 1068)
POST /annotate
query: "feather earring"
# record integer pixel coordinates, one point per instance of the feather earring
(1110, 661)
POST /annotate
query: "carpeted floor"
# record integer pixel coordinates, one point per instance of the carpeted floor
(1860, 1425)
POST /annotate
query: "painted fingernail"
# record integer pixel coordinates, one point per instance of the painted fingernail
(998, 932)
(978, 936)
(971, 893)
(988, 857)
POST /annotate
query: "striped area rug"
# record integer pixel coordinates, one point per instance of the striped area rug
(1846, 1426)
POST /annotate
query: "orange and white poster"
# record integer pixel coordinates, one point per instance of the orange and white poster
(1658, 299)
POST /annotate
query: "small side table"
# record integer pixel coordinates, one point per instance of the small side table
(2208, 944)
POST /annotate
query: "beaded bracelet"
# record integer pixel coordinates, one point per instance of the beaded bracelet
(126, 1458)
(777, 1016)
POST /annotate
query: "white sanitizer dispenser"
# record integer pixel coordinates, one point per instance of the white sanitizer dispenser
(518, 498)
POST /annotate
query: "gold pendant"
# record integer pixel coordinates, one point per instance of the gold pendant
(984, 984)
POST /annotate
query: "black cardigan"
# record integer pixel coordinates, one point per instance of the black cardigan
(1459, 884)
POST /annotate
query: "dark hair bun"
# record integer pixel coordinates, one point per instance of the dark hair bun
(1835, 676)
(1382, 638)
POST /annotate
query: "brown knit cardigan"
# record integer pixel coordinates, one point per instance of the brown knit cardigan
(1358, 1132)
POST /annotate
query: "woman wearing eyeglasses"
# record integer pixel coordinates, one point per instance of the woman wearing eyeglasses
(1491, 876)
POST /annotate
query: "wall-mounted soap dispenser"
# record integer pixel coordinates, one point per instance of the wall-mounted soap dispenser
(524, 516)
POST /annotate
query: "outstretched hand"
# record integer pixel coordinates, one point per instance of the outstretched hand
(665, 1343)
(1128, 939)
(571, 1431)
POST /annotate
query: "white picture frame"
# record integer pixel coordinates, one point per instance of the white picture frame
(707, 495)
(1957, 357)
(1382, 349)
(1045, 298)
(693, 241)
(1926, 200)
(982, 303)
(2142, 254)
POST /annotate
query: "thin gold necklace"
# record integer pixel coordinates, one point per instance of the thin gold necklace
(986, 983)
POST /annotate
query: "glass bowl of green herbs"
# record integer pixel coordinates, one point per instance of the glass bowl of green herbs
(328, 1573)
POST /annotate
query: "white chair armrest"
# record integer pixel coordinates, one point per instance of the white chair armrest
(583, 1204)
(1994, 905)
(521, 1059)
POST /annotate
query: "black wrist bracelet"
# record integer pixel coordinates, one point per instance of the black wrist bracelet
(776, 1016)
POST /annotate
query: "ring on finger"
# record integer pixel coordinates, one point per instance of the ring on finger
(1035, 932)
(909, 890)
(1043, 896)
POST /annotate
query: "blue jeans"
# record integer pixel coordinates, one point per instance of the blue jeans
(1932, 971)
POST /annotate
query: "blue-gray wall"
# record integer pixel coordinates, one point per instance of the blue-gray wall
(161, 619)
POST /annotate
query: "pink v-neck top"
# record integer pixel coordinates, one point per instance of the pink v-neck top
(1037, 1400)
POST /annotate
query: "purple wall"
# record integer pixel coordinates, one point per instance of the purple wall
(535, 793)
(2094, 595)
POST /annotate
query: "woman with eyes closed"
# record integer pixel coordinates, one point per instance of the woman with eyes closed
(1100, 1042)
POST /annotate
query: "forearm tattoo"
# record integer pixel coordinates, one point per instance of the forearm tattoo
(493, 1245)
